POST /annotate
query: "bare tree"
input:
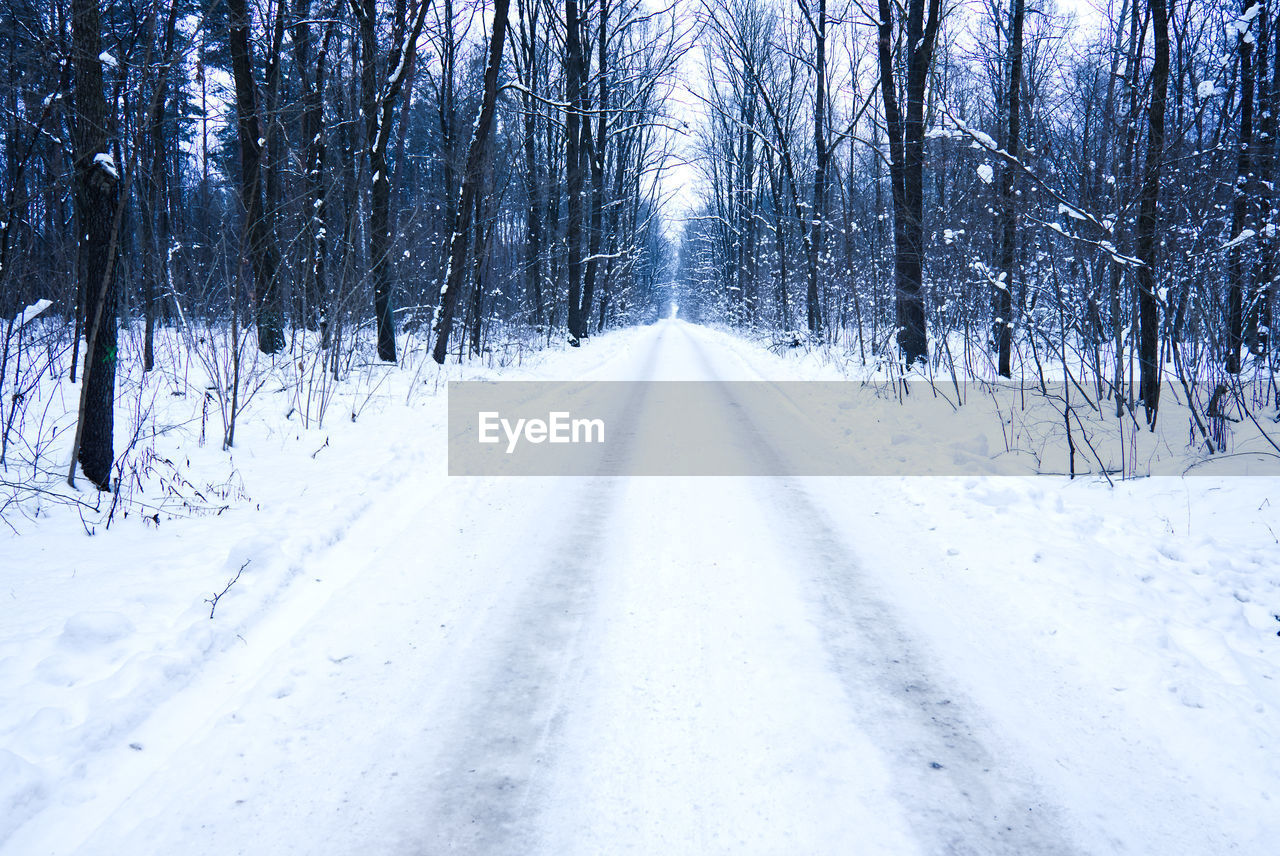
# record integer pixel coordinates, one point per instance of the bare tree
(155, 217)
(821, 157)
(1003, 324)
(259, 238)
(1148, 302)
(313, 303)
(471, 181)
(575, 85)
(905, 130)
(527, 61)
(378, 100)
(97, 186)
(1242, 188)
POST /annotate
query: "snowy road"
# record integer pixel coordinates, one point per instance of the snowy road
(657, 666)
(696, 665)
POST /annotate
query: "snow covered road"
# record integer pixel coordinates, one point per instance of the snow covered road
(696, 667)
(649, 665)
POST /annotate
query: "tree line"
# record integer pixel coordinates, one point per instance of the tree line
(979, 186)
(319, 170)
(987, 185)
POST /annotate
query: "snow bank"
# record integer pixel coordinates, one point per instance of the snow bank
(1121, 638)
(102, 633)
(1124, 637)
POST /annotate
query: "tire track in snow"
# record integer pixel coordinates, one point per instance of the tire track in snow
(961, 795)
(491, 787)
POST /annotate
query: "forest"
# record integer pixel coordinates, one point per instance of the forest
(990, 184)
(311, 178)
(983, 189)
(680, 427)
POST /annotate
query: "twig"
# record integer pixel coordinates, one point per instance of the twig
(213, 601)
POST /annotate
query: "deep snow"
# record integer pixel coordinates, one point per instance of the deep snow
(414, 664)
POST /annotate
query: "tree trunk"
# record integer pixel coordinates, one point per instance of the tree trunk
(906, 165)
(533, 179)
(312, 299)
(471, 182)
(1147, 246)
(380, 192)
(1262, 299)
(155, 220)
(1240, 202)
(97, 188)
(1002, 328)
(273, 166)
(597, 158)
(746, 207)
(479, 251)
(378, 105)
(615, 211)
(152, 220)
(573, 165)
(259, 241)
(820, 171)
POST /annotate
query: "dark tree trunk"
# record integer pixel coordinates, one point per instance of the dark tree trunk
(471, 183)
(746, 207)
(97, 189)
(348, 254)
(533, 178)
(597, 158)
(259, 241)
(380, 192)
(445, 111)
(480, 241)
(273, 167)
(1264, 287)
(906, 167)
(820, 171)
(574, 74)
(379, 254)
(1123, 161)
(312, 298)
(780, 241)
(378, 105)
(155, 220)
(1236, 266)
(1002, 329)
(1147, 245)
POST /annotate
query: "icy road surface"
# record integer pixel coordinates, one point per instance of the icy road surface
(653, 666)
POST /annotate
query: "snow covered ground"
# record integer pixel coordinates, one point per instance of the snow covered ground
(409, 663)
